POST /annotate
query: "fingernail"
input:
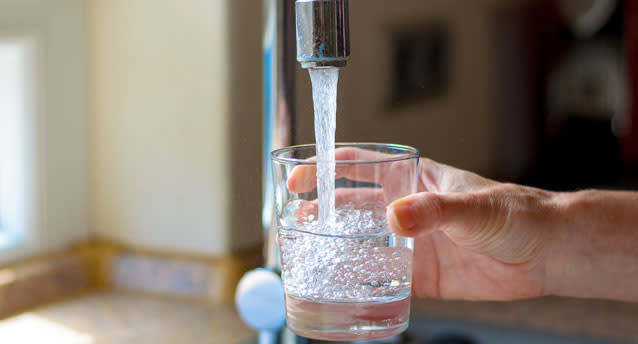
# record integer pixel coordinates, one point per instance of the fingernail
(403, 215)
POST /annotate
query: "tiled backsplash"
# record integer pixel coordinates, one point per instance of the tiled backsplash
(94, 266)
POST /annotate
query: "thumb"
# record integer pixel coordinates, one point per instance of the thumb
(456, 213)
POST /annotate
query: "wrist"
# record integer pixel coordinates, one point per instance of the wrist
(560, 261)
(593, 246)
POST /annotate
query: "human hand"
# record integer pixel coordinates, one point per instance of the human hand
(475, 238)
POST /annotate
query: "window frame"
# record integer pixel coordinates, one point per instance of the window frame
(20, 239)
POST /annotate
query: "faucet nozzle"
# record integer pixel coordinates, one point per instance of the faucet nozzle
(323, 37)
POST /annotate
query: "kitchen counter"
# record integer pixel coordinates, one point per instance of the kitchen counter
(110, 317)
(118, 318)
(615, 321)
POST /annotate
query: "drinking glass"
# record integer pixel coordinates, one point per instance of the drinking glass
(347, 277)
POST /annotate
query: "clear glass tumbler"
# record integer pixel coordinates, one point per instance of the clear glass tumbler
(347, 279)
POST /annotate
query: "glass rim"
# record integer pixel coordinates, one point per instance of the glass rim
(409, 153)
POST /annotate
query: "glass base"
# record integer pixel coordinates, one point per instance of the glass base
(347, 321)
(348, 335)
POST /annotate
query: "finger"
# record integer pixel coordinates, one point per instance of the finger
(433, 176)
(359, 197)
(352, 153)
(464, 216)
(303, 177)
(356, 196)
(373, 172)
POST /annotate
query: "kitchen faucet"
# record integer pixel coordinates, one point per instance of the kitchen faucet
(322, 41)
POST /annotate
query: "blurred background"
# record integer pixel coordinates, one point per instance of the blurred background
(131, 132)
(536, 92)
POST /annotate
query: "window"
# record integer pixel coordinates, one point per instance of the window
(43, 127)
(17, 105)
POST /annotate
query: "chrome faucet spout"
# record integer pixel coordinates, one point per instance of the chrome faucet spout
(323, 33)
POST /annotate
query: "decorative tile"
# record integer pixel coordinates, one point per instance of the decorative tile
(162, 275)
